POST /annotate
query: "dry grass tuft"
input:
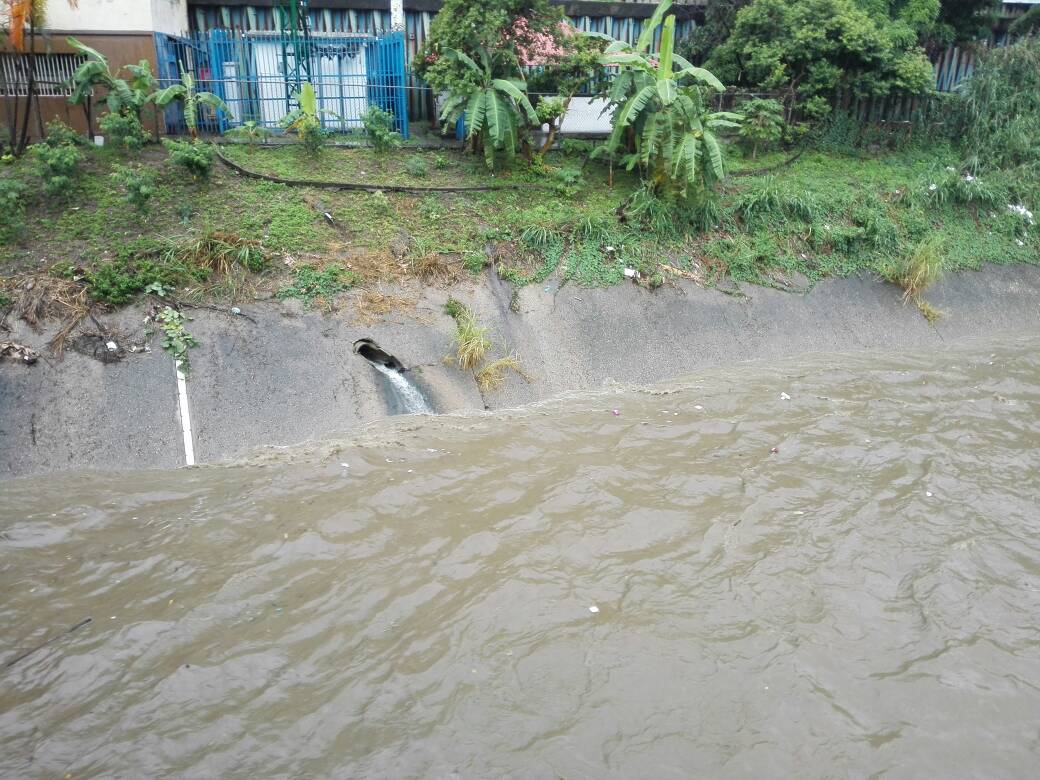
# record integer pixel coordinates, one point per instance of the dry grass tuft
(370, 306)
(45, 297)
(220, 252)
(471, 338)
(472, 341)
(492, 376)
(435, 268)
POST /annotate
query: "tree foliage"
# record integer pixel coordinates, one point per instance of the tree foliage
(813, 48)
(467, 26)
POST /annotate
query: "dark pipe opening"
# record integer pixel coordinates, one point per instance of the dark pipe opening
(372, 352)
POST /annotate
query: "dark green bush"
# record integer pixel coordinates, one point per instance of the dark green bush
(195, 157)
(56, 166)
(379, 129)
(123, 130)
(58, 134)
(138, 184)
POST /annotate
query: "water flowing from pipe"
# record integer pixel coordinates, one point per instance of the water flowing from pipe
(410, 397)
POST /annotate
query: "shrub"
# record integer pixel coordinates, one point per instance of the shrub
(56, 166)
(59, 134)
(379, 129)
(469, 25)
(814, 48)
(998, 114)
(416, 166)
(763, 124)
(440, 162)
(138, 184)
(12, 209)
(123, 130)
(195, 157)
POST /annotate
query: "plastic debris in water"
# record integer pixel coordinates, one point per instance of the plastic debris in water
(774, 450)
(593, 609)
(617, 412)
(785, 397)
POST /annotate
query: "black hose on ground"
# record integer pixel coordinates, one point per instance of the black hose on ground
(335, 185)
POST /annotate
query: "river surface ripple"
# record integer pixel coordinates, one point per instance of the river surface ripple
(717, 581)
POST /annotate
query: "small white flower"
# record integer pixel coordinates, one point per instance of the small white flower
(968, 177)
(933, 187)
(1019, 242)
(950, 168)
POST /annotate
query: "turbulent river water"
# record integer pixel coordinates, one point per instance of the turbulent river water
(826, 567)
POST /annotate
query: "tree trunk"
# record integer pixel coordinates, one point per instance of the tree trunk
(554, 128)
(23, 140)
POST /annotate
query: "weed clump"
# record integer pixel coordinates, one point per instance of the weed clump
(312, 284)
(379, 130)
(56, 166)
(138, 184)
(492, 375)
(471, 339)
(918, 271)
(416, 166)
(124, 130)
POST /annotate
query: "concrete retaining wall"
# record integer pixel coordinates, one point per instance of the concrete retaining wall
(292, 375)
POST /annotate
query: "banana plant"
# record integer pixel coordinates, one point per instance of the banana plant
(95, 72)
(496, 109)
(193, 100)
(660, 115)
(305, 120)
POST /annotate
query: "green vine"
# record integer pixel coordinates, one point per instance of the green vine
(176, 340)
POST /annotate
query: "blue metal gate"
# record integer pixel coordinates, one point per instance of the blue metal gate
(350, 72)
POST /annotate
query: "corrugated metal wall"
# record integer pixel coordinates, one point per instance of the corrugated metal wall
(376, 22)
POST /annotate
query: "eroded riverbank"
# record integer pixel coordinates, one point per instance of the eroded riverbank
(289, 375)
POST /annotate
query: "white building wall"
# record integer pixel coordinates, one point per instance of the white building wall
(170, 16)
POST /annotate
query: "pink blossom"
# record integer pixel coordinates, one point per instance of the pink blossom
(534, 47)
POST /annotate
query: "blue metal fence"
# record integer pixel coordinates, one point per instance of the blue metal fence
(252, 73)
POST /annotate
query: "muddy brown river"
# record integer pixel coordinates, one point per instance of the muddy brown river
(820, 568)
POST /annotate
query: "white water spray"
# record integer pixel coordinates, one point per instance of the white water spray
(410, 396)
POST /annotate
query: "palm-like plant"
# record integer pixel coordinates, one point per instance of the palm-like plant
(122, 96)
(660, 114)
(496, 109)
(305, 120)
(192, 99)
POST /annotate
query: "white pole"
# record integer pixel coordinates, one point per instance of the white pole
(397, 15)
